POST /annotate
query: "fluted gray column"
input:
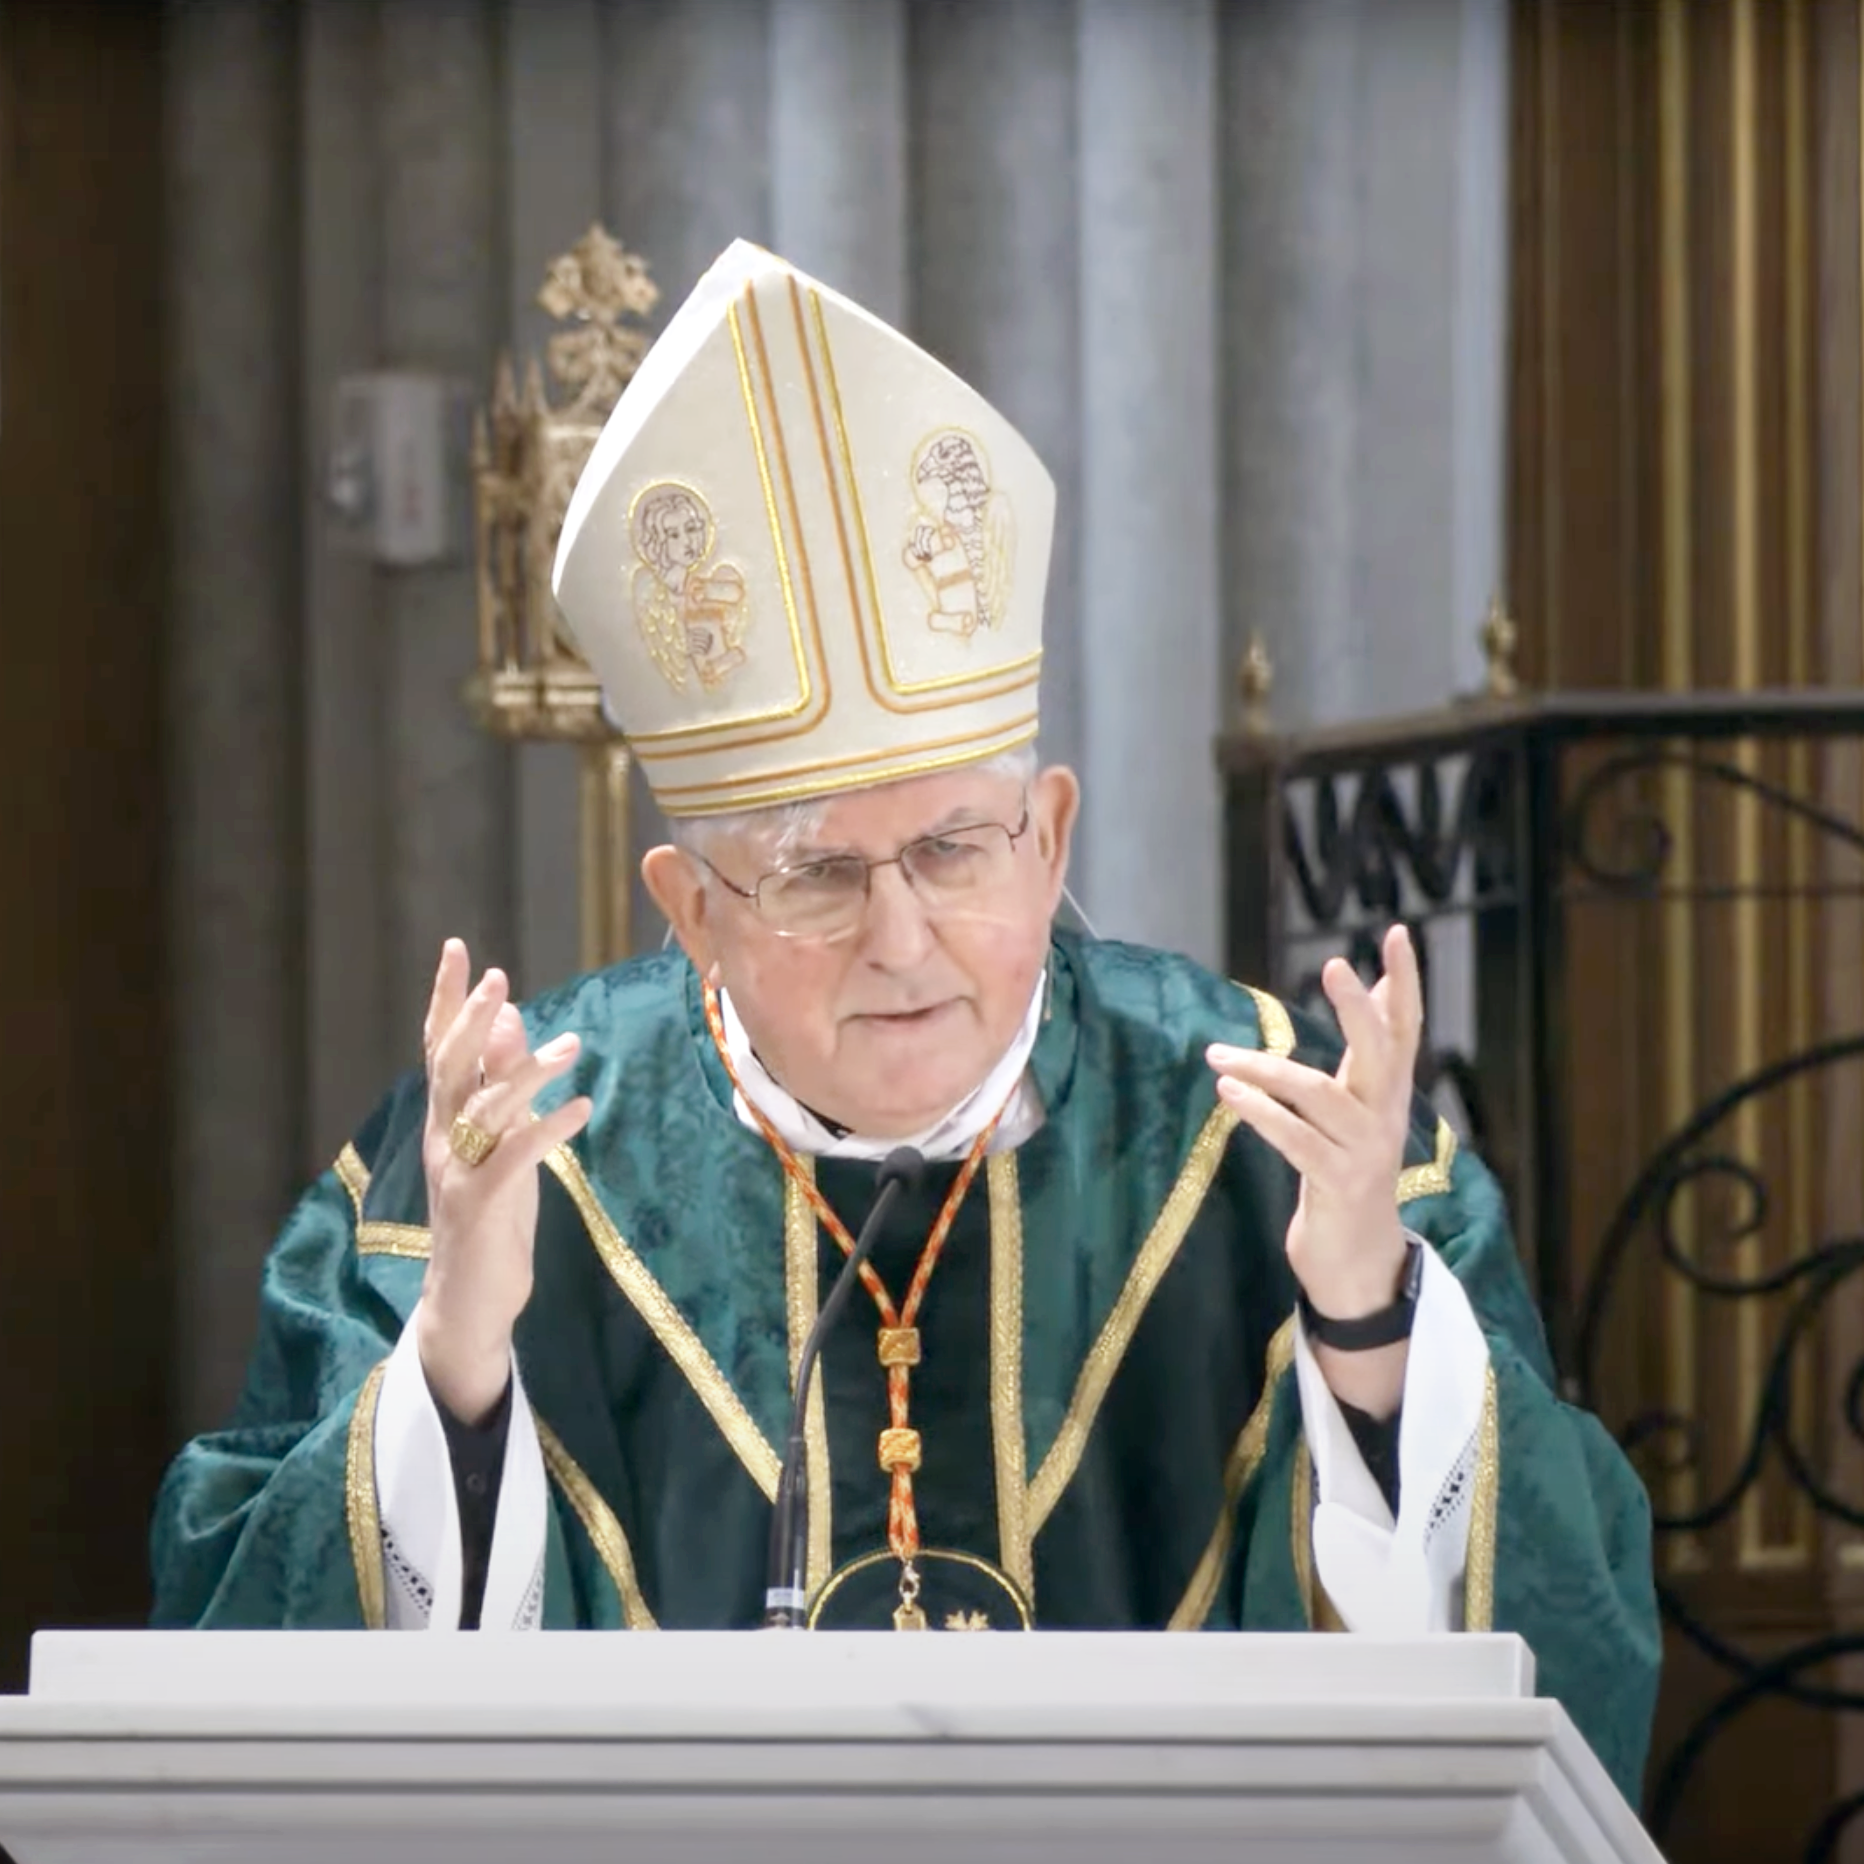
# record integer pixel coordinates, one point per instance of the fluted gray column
(1366, 298)
(1150, 633)
(1433, 241)
(354, 1043)
(688, 171)
(1365, 180)
(1479, 331)
(838, 145)
(235, 721)
(995, 272)
(1292, 292)
(554, 106)
(443, 285)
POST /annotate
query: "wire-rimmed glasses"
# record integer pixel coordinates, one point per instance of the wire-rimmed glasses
(953, 872)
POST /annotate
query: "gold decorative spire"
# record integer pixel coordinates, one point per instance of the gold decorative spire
(1255, 679)
(1499, 638)
(527, 454)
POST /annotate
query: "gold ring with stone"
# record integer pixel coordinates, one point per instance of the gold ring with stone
(471, 1143)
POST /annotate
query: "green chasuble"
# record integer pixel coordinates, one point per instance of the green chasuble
(1111, 1426)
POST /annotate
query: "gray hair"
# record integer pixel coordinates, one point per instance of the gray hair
(793, 821)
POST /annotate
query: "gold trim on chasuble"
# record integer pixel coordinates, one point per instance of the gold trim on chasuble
(1319, 1610)
(359, 1504)
(1431, 1180)
(605, 1533)
(411, 1241)
(668, 1325)
(353, 1175)
(1244, 1460)
(1301, 1525)
(1275, 1034)
(1015, 1536)
(801, 1261)
(1274, 1026)
(1479, 1562)
(1155, 1256)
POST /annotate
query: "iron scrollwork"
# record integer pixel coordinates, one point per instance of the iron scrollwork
(1665, 1443)
(1367, 835)
(1644, 841)
(1364, 852)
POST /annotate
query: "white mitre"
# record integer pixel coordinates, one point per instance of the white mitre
(804, 556)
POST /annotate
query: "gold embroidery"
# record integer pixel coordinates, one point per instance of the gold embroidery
(1326, 1613)
(754, 793)
(800, 1269)
(1479, 1565)
(353, 1175)
(962, 549)
(1301, 1526)
(599, 1523)
(668, 1325)
(880, 697)
(1014, 1540)
(410, 1240)
(1274, 1024)
(928, 1556)
(709, 729)
(360, 1509)
(867, 551)
(1430, 1180)
(1103, 1358)
(967, 1621)
(691, 611)
(1238, 1471)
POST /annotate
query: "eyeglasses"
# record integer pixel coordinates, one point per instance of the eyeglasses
(954, 872)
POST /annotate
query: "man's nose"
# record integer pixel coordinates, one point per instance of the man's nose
(897, 932)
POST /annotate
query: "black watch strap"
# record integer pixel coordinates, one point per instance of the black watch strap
(1385, 1328)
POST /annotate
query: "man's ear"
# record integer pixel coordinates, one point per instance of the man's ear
(679, 890)
(1054, 806)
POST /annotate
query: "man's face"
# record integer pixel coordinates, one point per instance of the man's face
(887, 1029)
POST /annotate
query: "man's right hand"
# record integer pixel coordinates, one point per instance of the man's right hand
(483, 1217)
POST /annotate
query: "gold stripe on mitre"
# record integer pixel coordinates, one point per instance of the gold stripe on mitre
(804, 556)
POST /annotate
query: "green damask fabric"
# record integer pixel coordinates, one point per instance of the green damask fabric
(656, 1350)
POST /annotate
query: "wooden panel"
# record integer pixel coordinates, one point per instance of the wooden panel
(84, 1252)
(1685, 497)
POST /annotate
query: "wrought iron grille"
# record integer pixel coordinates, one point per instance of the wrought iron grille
(1513, 836)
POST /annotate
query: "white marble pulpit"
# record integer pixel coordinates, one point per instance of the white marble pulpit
(792, 1748)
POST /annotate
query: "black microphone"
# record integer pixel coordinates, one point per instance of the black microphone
(786, 1599)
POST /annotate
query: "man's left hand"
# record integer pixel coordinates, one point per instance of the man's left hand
(1345, 1134)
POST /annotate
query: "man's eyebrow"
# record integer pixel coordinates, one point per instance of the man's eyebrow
(968, 815)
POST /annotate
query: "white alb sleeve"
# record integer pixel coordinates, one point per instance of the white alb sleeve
(421, 1556)
(1402, 1578)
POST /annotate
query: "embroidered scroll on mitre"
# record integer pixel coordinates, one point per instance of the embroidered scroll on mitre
(804, 556)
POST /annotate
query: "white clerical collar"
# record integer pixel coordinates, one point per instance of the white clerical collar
(948, 1138)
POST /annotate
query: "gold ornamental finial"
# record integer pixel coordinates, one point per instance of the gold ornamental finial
(1255, 679)
(597, 284)
(1499, 638)
(527, 454)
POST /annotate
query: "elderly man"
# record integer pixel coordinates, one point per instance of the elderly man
(1194, 1319)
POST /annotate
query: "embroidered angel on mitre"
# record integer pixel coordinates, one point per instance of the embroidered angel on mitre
(691, 614)
(963, 547)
